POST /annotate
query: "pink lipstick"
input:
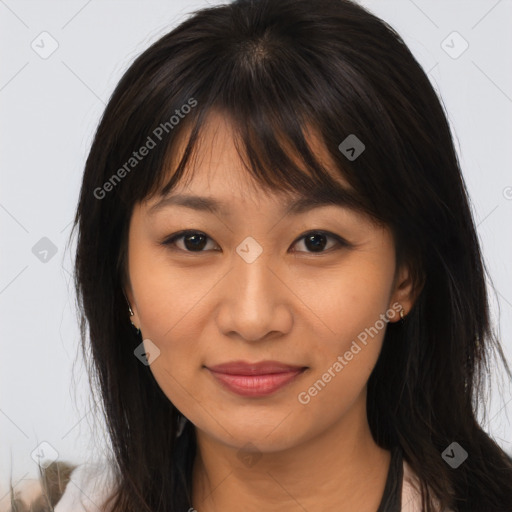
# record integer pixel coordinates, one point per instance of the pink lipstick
(255, 379)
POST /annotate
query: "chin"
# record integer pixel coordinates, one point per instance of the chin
(249, 434)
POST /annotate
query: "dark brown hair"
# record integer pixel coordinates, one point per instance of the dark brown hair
(275, 69)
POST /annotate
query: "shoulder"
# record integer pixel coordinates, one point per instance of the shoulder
(88, 488)
(411, 492)
(38, 494)
(63, 487)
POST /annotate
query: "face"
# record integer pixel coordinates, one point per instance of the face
(312, 290)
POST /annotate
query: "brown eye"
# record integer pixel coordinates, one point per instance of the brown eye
(195, 242)
(316, 241)
(192, 241)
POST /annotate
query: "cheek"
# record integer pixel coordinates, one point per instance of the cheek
(174, 311)
(160, 302)
(345, 301)
(347, 311)
(168, 295)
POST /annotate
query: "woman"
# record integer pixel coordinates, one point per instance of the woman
(281, 277)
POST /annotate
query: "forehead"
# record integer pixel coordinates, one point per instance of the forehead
(219, 167)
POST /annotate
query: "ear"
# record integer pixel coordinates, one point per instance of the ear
(405, 292)
(128, 293)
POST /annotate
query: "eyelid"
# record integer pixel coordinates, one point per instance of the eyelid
(341, 242)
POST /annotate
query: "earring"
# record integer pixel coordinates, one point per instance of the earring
(134, 326)
(128, 302)
(402, 316)
(131, 314)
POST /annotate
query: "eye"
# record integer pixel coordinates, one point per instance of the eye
(314, 241)
(193, 241)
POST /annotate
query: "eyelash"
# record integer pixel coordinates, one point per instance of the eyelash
(341, 243)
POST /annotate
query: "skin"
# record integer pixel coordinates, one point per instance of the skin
(292, 305)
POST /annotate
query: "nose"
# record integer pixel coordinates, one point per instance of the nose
(255, 304)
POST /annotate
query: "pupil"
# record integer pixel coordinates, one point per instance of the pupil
(198, 241)
(317, 245)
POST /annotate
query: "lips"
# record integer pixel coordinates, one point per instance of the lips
(260, 368)
(255, 379)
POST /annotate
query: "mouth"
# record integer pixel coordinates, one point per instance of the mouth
(255, 379)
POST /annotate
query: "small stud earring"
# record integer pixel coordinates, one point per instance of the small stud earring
(128, 303)
(134, 326)
(402, 316)
(131, 314)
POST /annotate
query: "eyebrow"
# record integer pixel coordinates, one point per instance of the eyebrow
(341, 197)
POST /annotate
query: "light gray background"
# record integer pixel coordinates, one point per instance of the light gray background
(49, 110)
